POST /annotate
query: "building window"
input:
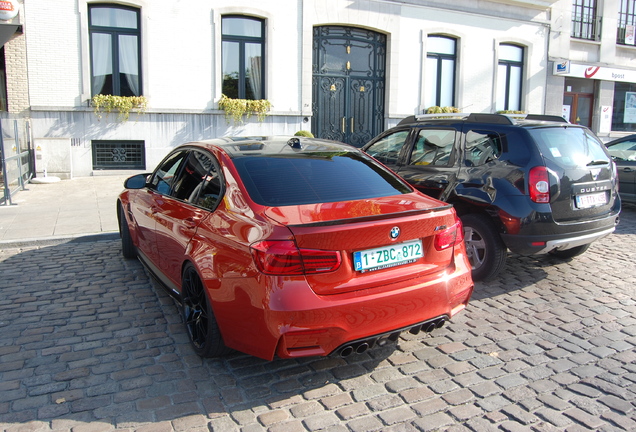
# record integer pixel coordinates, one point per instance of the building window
(509, 77)
(243, 54)
(116, 155)
(624, 112)
(585, 23)
(440, 71)
(115, 47)
(626, 22)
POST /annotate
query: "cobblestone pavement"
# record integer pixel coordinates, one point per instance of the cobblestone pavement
(89, 344)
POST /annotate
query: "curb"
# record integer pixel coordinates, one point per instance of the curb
(50, 241)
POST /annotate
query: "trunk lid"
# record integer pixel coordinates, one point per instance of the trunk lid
(392, 228)
(582, 183)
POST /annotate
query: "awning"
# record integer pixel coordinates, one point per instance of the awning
(7, 31)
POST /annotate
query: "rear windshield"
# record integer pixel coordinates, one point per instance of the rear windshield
(311, 178)
(570, 147)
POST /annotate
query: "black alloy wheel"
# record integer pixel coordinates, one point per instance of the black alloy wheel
(198, 317)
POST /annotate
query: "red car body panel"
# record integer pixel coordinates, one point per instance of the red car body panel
(300, 315)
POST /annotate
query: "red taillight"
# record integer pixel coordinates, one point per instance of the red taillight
(284, 258)
(450, 236)
(539, 185)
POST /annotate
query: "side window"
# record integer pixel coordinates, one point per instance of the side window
(199, 182)
(165, 175)
(623, 151)
(433, 147)
(481, 147)
(387, 149)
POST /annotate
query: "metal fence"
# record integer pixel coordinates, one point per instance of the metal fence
(16, 152)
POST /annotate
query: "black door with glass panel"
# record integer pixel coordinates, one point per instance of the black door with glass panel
(348, 84)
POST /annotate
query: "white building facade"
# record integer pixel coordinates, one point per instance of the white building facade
(342, 69)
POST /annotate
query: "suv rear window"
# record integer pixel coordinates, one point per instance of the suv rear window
(569, 147)
(311, 178)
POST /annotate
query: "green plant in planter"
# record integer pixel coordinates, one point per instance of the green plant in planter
(235, 109)
(304, 133)
(122, 104)
(440, 110)
(510, 112)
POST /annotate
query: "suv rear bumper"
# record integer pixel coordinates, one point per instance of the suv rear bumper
(532, 245)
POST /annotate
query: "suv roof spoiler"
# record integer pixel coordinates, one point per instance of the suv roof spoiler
(485, 117)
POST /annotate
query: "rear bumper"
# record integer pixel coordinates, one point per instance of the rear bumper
(345, 324)
(542, 244)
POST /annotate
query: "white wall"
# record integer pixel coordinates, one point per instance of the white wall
(181, 62)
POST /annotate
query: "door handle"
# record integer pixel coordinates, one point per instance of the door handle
(352, 125)
(191, 222)
(627, 169)
(343, 124)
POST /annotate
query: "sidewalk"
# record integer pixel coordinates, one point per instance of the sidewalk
(83, 206)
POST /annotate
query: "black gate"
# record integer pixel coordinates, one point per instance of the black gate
(349, 67)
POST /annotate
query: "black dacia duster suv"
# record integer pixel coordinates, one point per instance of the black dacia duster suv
(533, 185)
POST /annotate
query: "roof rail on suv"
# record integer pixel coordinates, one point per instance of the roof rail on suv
(508, 119)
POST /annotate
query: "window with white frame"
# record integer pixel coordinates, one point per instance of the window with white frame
(115, 39)
(440, 70)
(243, 57)
(509, 77)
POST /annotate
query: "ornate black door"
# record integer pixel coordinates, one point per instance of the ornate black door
(348, 84)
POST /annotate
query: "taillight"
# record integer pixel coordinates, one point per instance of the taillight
(539, 185)
(450, 236)
(283, 258)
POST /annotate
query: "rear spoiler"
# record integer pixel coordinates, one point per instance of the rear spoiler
(374, 217)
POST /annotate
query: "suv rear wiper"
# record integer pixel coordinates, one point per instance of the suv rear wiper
(598, 162)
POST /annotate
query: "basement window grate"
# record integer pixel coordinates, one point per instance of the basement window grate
(116, 155)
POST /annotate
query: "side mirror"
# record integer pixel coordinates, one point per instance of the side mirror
(138, 181)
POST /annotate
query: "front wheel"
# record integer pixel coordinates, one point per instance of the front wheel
(199, 320)
(486, 251)
(569, 253)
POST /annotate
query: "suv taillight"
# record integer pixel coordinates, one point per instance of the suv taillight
(283, 258)
(450, 236)
(539, 185)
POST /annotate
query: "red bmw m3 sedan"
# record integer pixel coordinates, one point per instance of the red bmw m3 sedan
(290, 247)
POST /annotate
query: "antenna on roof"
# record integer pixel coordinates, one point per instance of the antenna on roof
(294, 143)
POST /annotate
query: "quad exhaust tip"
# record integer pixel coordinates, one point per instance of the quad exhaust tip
(360, 346)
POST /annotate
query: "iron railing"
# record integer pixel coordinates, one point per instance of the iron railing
(16, 153)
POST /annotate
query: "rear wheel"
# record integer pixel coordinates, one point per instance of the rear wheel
(486, 251)
(199, 320)
(569, 253)
(128, 249)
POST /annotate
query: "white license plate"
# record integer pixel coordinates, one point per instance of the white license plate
(388, 256)
(591, 200)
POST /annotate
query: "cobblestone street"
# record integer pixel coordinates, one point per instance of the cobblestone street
(89, 343)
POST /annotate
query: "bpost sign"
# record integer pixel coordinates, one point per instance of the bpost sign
(569, 69)
(8, 9)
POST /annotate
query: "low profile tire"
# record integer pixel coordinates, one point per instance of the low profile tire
(199, 320)
(128, 249)
(486, 251)
(569, 253)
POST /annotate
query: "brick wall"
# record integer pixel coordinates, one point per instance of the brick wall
(17, 75)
